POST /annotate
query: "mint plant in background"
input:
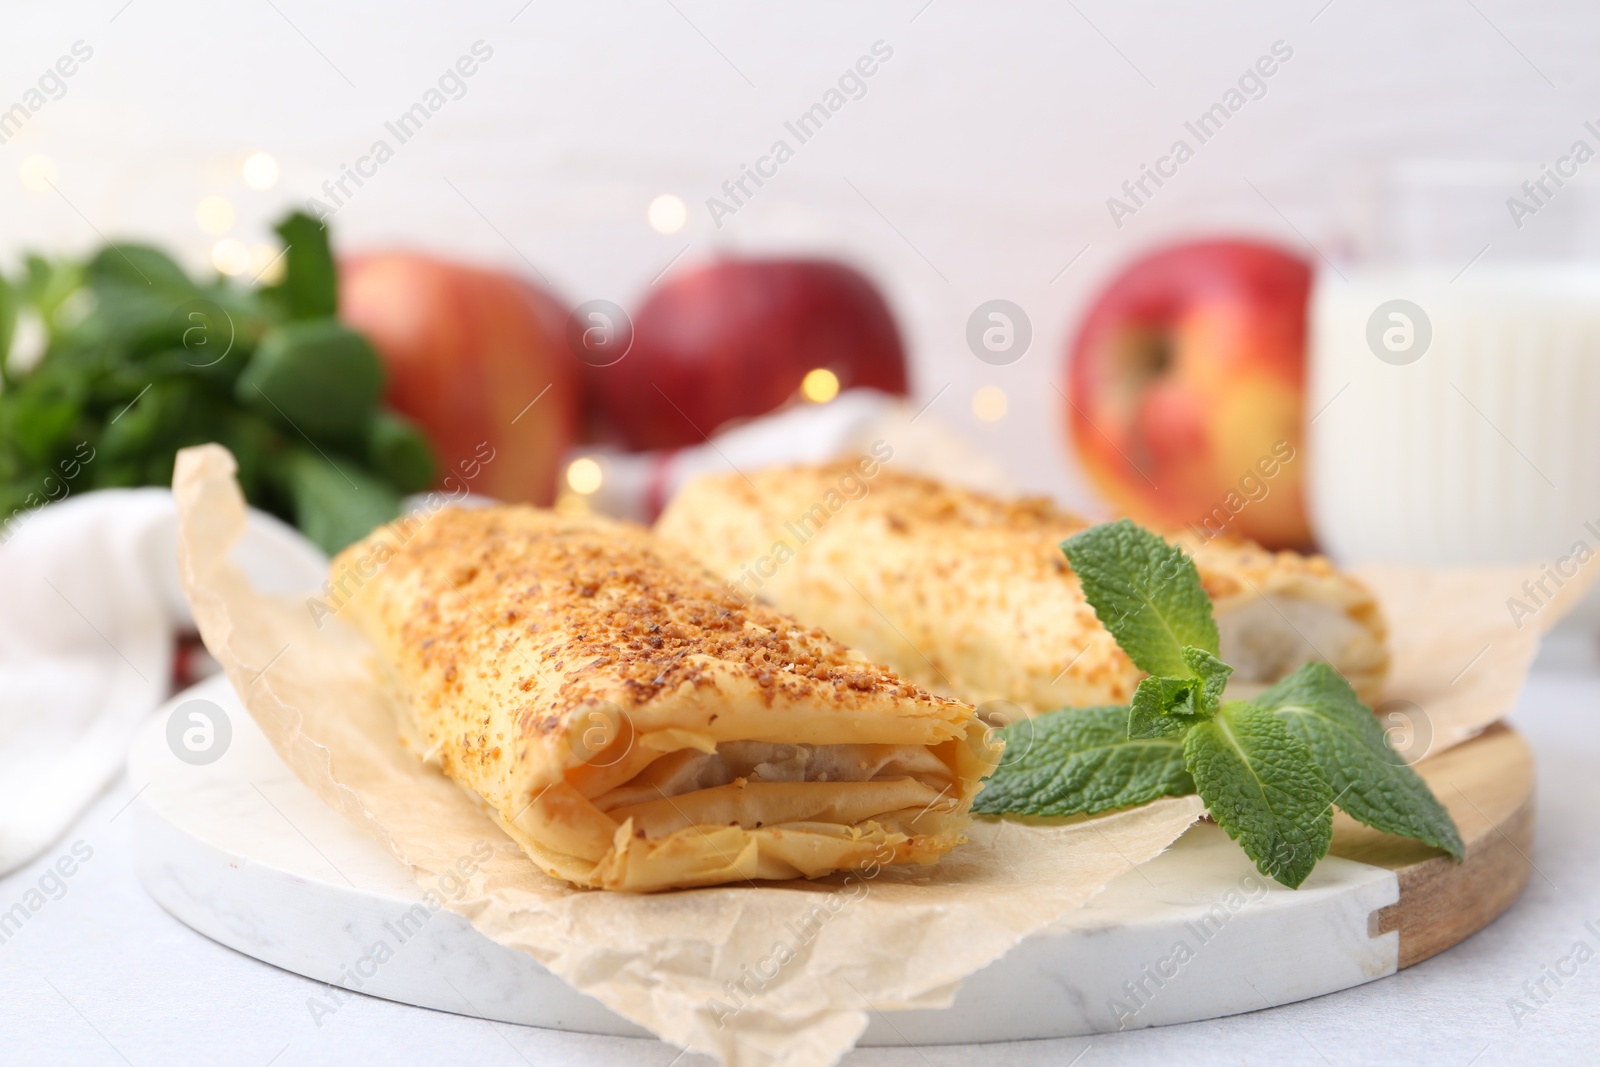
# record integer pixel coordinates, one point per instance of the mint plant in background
(1270, 770)
(140, 360)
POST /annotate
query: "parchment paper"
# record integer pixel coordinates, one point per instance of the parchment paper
(1460, 645)
(784, 973)
(780, 973)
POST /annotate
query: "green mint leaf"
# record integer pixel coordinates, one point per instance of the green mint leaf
(1370, 781)
(310, 286)
(1161, 708)
(335, 503)
(1263, 788)
(399, 453)
(142, 268)
(1146, 592)
(1081, 761)
(320, 378)
(1213, 675)
(1166, 707)
(10, 300)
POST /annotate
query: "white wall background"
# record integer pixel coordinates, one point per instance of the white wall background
(990, 141)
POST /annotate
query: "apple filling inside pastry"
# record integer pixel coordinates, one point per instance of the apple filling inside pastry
(632, 725)
(760, 783)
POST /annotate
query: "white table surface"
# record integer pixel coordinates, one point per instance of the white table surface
(103, 976)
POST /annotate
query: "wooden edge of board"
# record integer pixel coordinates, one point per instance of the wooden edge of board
(1487, 785)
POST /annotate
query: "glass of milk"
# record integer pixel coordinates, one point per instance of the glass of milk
(1454, 386)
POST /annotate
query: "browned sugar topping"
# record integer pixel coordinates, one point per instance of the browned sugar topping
(511, 589)
(907, 501)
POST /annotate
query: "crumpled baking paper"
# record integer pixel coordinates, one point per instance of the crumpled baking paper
(783, 973)
(1460, 645)
(777, 974)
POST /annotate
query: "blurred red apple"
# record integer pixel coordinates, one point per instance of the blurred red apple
(467, 352)
(1187, 382)
(734, 339)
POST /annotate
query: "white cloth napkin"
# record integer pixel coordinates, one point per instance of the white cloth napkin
(89, 610)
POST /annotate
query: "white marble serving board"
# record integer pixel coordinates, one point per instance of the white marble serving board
(244, 853)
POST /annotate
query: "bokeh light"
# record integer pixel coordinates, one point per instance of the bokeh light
(215, 215)
(38, 173)
(230, 256)
(260, 171)
(820, 385)
(989, 403)
(584, 476)
(668, 213)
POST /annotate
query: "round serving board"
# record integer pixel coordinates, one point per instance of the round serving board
(244, 853)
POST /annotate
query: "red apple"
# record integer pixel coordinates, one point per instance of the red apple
(467, 352)
(733, 339)
(1187, 382)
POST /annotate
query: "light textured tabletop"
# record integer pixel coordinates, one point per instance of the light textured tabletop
(101, 975)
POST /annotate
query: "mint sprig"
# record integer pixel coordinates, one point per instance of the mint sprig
(1270, 770)
(1372, 783)
(1159, 708)
(1079, 761)
(1147, 593)
(1263, 787)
